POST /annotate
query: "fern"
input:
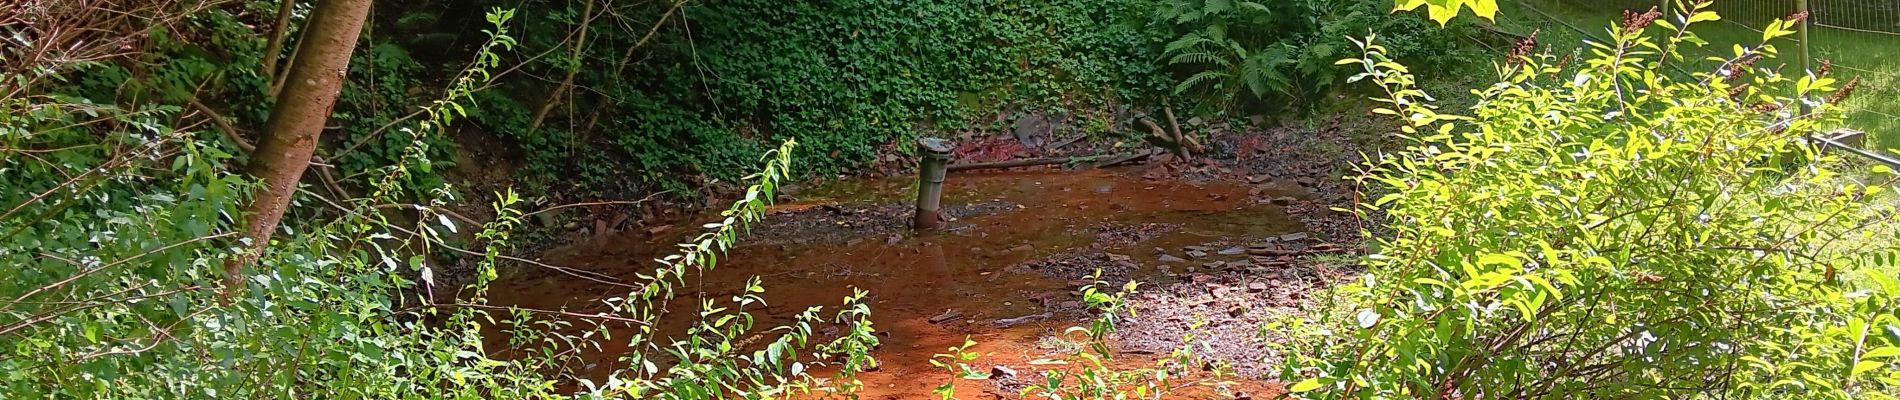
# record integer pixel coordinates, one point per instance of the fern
(1214, 7)
(1261, 73)
(1212, 75)
(1237, 50)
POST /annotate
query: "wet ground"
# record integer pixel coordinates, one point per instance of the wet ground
(1218, 245)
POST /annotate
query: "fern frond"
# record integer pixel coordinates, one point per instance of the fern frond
(1262, 73)
(1215, 7)
(1200, 57)
(1196, 79)
(1255, 7)
(1192, 39)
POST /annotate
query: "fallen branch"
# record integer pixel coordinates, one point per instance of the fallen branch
(598, 203)
(1026, 162)
(1124, 159)
(596, 316)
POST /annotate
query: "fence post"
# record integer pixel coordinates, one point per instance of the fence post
(1801, 32)
(930, 171)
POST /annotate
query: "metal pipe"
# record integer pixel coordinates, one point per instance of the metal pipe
(931, 169)
(1877, 157)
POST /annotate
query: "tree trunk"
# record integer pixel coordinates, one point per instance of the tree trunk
(290, 138)
(574, 66)
(278, 32)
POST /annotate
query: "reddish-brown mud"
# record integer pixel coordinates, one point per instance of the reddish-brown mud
(1007, 264)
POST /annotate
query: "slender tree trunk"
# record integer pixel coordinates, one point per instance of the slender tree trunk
(290, 138)
(303, 36)
(278, 32)
(574, 66)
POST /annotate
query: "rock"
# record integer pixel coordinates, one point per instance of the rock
(1196, 254)
(1284, 200)
(1241, 264)
(1117, 258)
(1214, 265)
(658, 229)
(947, 315)
(1233, 251)
(1256, 286)
(1070, 304)
(1195, 248)
(1171, 259)
(1002, 372)
(1293, 237)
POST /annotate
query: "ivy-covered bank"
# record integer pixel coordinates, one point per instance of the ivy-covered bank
(729, 79)
(672, 95)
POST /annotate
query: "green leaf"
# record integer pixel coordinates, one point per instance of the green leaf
(1305, 386)
(1864, 366)
(1704, 17)
(1883, 352)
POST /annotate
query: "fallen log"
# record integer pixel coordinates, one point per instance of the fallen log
(1031, 162)
(1124, 159)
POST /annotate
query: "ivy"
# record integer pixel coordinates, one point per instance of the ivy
(728, 79)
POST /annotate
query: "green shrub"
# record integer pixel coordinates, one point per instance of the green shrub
(1245, 53)
(1596, 229)
(115, 224)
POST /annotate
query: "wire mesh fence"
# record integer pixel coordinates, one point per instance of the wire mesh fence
(1871, 16)
(1853, 38)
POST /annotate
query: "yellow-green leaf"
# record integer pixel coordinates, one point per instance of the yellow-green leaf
(1305, 386)
(1864, 366)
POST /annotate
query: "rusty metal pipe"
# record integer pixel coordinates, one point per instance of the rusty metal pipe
(932, 167)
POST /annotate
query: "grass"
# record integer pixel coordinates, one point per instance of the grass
(1874, 57)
